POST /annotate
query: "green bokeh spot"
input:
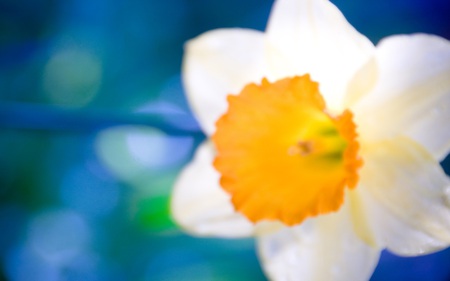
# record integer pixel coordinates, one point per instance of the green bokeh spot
(153, 214)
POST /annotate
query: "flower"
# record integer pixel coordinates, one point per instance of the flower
(327, 150)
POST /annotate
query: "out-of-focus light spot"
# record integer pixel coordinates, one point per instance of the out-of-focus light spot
(172, 105)
(72, 77)
(161, 107)
(89, 194)
(148, 148)
(179, 265)
(58, 236)
(153, 213)
(23, 264)
(133, 152)
(157, 151)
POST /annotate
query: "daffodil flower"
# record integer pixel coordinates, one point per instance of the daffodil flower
(321, 145)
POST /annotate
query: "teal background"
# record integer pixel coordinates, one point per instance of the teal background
(94, 128)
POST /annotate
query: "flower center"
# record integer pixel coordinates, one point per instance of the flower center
(281, 155)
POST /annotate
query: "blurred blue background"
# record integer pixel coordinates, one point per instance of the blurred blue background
(94, 128)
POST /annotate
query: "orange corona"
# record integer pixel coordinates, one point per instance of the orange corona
(281, 156)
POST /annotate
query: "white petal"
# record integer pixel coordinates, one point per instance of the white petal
(406, 198)
(312, 36)
(412, 93)
(361, 83)
(219, 63)
(325, 248)
(201, 206)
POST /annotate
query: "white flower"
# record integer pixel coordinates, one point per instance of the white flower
(399, 94)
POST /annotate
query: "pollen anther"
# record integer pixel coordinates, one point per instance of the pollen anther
(302, 148)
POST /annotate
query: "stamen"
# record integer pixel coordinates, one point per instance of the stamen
(302, 148)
